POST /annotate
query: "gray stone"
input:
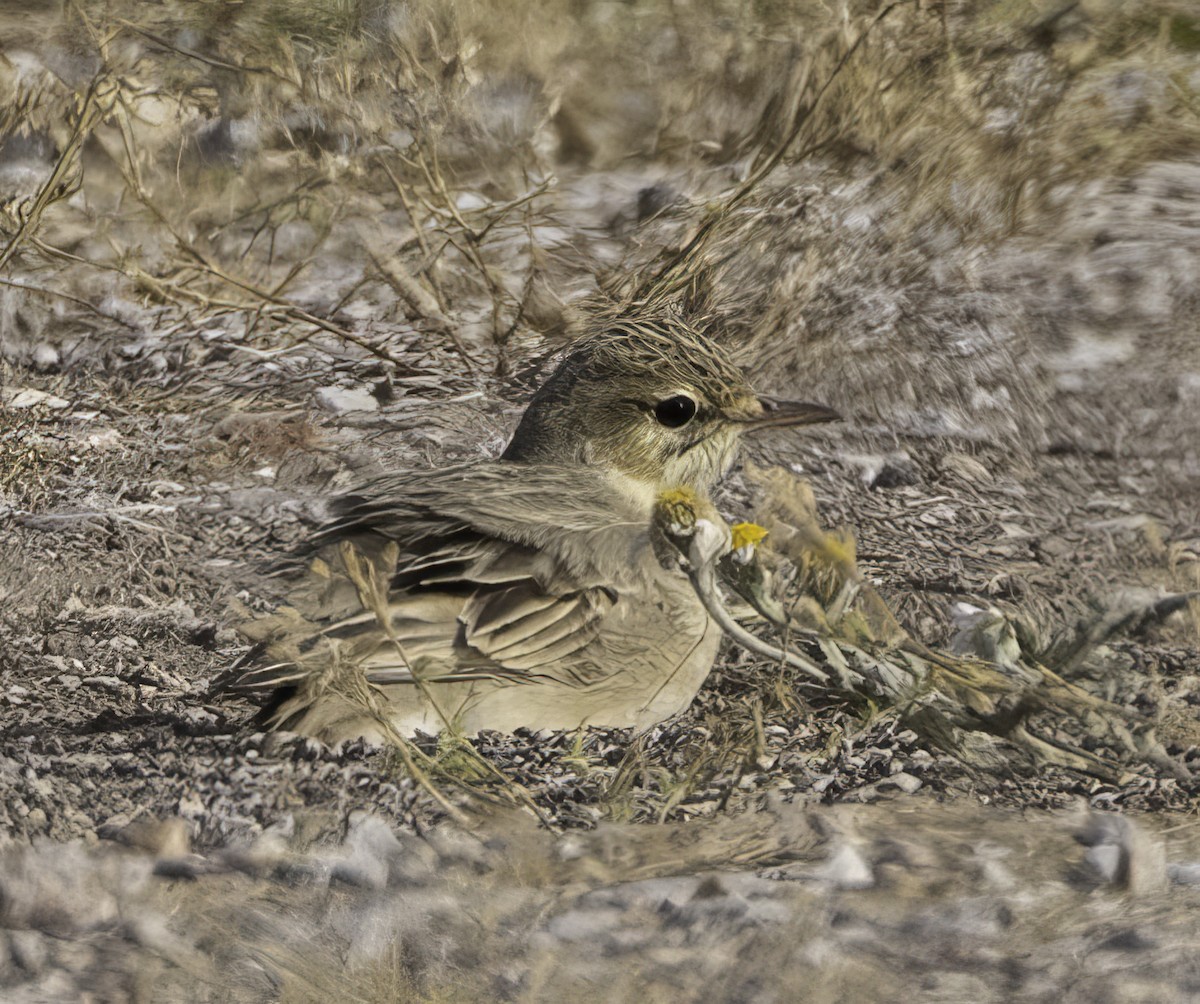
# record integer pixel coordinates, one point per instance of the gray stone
(46, 357)
(585, 924)
(103, 682)
(28, 950)
(27, 397)
(907, 783)
(846, 868)
(1185, 874)
(340, 399)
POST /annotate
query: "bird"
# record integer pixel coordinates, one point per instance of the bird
(532, 590)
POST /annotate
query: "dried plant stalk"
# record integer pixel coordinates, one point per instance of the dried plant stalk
(808, 582)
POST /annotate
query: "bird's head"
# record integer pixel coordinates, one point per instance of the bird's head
(658, 401)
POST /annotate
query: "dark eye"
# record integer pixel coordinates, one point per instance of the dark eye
(675, 411)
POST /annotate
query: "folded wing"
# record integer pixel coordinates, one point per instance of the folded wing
(478, 583)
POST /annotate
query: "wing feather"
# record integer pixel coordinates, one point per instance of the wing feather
(481, 589)
(522, 628)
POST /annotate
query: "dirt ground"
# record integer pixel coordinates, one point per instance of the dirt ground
(236, 305)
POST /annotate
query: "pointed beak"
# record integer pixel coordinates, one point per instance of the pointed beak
(776, 413)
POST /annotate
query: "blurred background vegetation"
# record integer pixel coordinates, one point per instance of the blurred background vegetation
(498, 158)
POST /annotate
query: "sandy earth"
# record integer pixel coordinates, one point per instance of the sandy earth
(1022, 421)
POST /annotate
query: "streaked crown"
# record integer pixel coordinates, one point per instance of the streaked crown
(656, 400)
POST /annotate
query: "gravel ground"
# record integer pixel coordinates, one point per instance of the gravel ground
(1022, 417)
(945, 902)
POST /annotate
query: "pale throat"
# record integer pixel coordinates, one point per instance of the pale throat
(644, 493)
(641, 494)
(641, 477)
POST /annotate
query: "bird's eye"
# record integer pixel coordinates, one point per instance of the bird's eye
(674, 412)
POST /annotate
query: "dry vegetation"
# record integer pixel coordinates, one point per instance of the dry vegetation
(250, 252)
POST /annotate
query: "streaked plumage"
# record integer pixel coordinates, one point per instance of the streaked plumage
(533, 590)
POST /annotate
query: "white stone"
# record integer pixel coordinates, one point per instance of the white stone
(45, 357)
(339, 399)
(846, 868)
(27, 397)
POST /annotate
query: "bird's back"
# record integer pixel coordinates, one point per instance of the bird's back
(495, 595)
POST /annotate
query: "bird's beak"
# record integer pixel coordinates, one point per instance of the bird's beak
(776, 413)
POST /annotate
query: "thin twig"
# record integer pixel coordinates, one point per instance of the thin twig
(428, 260)
(373, 594)
(703, 554)
(29, 288)
(57, 186)
(200, 57)
(655, 287)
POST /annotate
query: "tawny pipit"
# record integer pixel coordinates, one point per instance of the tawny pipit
(533, 590)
